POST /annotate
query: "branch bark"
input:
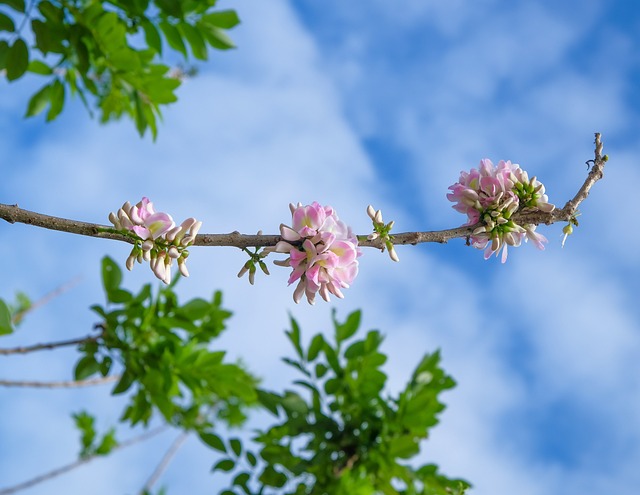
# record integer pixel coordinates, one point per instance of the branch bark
(48, 345)
(60, 384)
(13, 214)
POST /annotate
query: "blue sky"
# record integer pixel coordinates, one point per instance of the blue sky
(348, 105)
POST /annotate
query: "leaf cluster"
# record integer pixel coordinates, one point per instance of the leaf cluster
(108, 52)
(91, 444)
(161, 349)
(338, 432)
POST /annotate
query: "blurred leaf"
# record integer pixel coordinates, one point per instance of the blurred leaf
(107, 444)
(86, 367)
(152, 36)
(17, 60)
(225, 465)
(294, 336)
(4, 50)
(39, 67)
(38, 101)
(14, 4)
(349, 327)
(111, 275)
(236, 446)
(317, 343)
(225, 19)
(195, 40)
(126, 380)
(6, 327)
(56, 95)
(173, 37)
(213, 441)
(216, 37)
(6, 23)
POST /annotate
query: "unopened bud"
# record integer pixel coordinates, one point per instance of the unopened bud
(130, 262)
(378, 217)
(371, 212)
(392, 253)
(182, 266)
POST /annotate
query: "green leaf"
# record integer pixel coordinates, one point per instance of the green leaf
(86, 367)
(236, 446)
(152, 36)
(51, 12)
(269, 400)
(4, 50)
(124, 384)
(6, 23)
(225, 19)
(6, 327)
(195, 39)
(271, 477)
(39, 101)
(355, 350)
(39, 67)
(349, 327)
(111, 275)
(17, 60)
(216, 37)
(403, 447)
(56, 95)
(108, 443)
(294, 336)
(173, 37)
(241, 479)
(14, 4)
(251, 459)
(225, 465)
(317, 343)
(213, 441)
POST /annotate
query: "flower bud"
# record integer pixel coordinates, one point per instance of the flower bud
(371, 212)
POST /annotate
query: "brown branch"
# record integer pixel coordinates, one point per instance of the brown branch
(164, 462)
(64, 469)
(48, 345)
(12, 214)
(63, 384)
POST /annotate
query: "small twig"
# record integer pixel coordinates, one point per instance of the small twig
(62, 384)
(12, 214)
(164, 462)
(64, 469)
(46, 298)
(48, 346)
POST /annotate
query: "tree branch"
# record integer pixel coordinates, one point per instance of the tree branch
(64, 469)
(62, 384)
(13, 214)
(48, 345)
(164, 462)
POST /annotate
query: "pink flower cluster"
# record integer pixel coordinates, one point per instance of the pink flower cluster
(322, 251)
(160, 241)
(491, 195)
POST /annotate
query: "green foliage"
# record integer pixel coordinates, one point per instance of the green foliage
(109, 52)
(6, 325)
(342, 435)
(90, 446)
(162, 349)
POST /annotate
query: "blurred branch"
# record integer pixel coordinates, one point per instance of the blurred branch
(64, 469)
(48, 345)
(45, 299)
(13, 214)
(164, 462)
(62, 384)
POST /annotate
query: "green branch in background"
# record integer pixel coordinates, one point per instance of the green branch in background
(109, 53)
